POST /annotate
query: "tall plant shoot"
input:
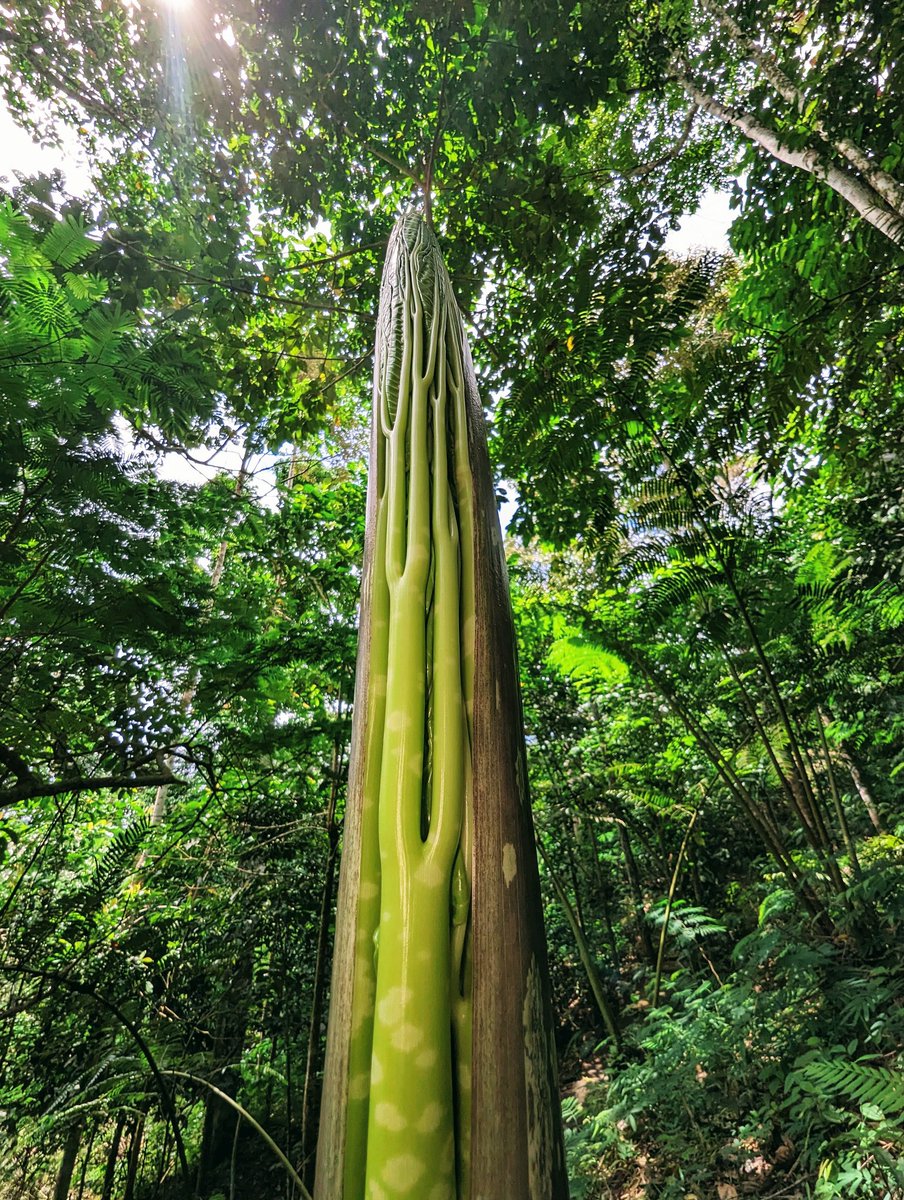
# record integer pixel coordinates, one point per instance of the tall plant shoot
(440, 1079)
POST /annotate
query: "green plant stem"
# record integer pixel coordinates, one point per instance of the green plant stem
(770, 836)
(836, 801)
(762, 658)
(750, 706)
(586, 956)
(673, 887)
(258, 1128)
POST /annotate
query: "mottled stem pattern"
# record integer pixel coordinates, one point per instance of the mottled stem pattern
(437, 811)
(411, 1051)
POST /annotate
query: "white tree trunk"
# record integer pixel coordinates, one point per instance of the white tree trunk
(857, 194)
(884, 185)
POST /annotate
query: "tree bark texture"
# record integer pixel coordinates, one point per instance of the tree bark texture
(516, 1134)
(67, 1163)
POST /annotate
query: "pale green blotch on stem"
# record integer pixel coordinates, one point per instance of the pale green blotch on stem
(408, 1115)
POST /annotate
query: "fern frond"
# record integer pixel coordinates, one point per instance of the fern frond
(112, 866)
(857, 1082)
(103, 331)
(688, 923)
(67, 243)
(86, 288)
(586, 663)
(41, 305)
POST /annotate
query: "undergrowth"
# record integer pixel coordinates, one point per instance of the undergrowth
(785, 1079)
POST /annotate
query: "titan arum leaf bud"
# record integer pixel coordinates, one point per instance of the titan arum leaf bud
(440, 1070)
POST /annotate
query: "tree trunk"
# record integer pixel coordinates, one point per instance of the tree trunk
(857, 778)
(211, 1108)
(23, 1174)
(133, 1159)
(227, 1047)
(573, 870)
(112, 1159)
(863, 792)
(311, 1095)
(14, 994)
(86, 1161)
(640, 912)
(164, 1159)
(883, 184)
(699, 898)
(604, 896)
(234, 1156)
(862, 199)
(216, 1135)
(607, 1011)
(288, 1026)
(268, 1097)
(67, 1162)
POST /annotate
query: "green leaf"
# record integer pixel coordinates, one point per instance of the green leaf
(67, 243)
(586, 663)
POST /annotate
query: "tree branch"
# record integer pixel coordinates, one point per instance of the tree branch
(669, 155)
(880, 181)
(26, 582)
(331, 258)
(42, 67)
(61, 787)
(858, 195)
(18, 766)
(238, 285)
(377, 151)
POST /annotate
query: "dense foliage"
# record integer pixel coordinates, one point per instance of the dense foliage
(706, 562)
